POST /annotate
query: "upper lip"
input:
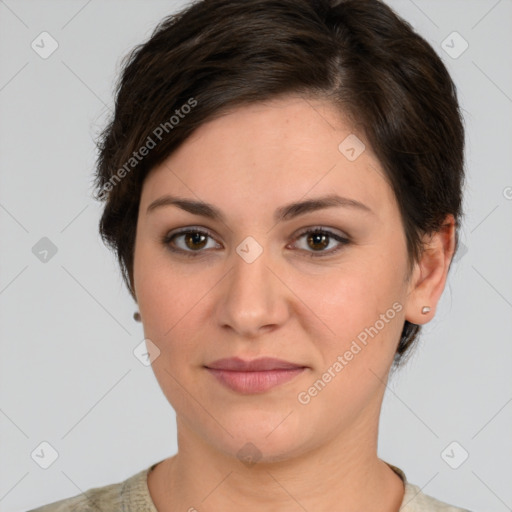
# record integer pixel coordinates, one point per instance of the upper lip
(256, 365)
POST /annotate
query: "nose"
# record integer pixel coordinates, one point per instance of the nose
(253, 300)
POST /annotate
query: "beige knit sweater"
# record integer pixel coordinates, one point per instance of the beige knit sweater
(132, 495)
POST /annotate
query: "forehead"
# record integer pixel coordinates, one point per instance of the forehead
(270, 153)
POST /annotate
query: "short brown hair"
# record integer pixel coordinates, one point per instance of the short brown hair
(215, 55)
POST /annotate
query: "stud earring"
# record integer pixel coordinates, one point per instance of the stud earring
(136, 316)
(425, 310)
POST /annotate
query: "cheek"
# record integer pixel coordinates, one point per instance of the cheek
(354, 296)
(166, 299)
(363, 311)
(171, 300)
(162, 292)
(361, 304)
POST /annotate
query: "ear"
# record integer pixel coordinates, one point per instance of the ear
(429, 275)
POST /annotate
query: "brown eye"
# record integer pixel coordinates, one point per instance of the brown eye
(317, 242)
(189, 241)
(195, 240)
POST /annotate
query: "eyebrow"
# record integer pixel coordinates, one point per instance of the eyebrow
(283, 213)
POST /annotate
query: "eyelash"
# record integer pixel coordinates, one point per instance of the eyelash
(168, 238)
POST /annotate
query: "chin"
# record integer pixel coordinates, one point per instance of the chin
(269, 440)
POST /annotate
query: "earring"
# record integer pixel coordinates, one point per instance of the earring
(425, 310)
(136, 316)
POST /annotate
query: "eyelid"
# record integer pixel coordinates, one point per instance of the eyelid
(322, 229)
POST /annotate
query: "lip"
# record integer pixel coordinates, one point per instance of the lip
(256, 365)
(256, 376)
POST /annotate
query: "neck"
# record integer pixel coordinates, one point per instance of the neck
(344, 474)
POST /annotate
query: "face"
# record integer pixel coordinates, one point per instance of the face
(319, 285)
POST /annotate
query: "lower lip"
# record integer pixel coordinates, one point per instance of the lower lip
(254, 382)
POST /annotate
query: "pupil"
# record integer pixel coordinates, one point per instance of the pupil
(195, 239)
(318, 238)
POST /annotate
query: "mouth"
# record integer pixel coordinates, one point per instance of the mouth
(256, 376)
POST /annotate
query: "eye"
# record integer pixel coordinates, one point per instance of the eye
(189, 240)
(320, 239)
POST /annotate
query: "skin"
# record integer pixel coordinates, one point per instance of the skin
(285, 304)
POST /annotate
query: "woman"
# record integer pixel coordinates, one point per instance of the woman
(283, 185)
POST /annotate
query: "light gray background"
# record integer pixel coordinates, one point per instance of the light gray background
(67, 372)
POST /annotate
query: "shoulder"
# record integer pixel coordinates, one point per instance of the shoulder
(416, 501)
(130, 494)
(106, 499)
